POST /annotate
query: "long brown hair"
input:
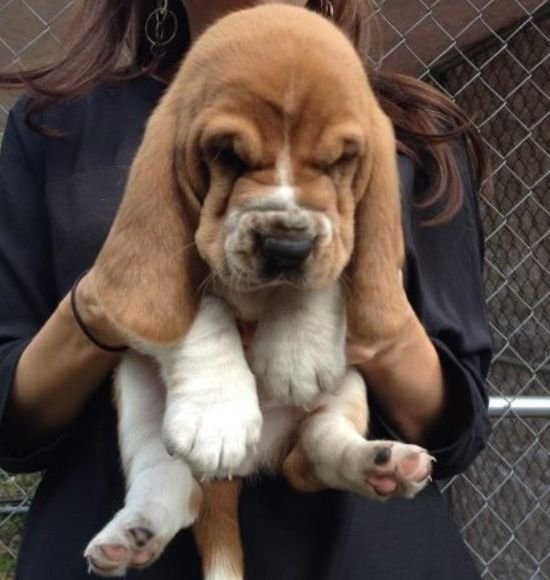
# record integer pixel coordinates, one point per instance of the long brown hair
(107, 44)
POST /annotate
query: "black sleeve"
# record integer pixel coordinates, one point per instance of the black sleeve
(444, 282)
(26, 285)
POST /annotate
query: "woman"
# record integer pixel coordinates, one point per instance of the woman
(65, 156)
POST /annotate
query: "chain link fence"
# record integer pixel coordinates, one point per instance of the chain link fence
(493, 58)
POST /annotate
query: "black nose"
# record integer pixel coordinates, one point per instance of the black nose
(280, 254)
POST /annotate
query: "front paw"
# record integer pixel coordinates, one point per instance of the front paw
(293, 370)
(213, 434)
(384, 469)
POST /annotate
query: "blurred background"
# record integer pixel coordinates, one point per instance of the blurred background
(493, 58)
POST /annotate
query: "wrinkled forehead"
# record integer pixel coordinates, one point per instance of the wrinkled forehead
(278, 73)
(296, 115)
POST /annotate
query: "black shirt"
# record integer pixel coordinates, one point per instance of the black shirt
(57, 201)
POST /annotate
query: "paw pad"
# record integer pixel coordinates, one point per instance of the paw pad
(382, 456)
(140, 536)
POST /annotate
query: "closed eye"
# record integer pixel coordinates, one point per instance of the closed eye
(347, 156)
(222, 150)
(229, 142)
(349, 153)
(229, 158)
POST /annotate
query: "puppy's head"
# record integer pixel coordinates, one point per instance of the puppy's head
(281, 145)
(256, 158)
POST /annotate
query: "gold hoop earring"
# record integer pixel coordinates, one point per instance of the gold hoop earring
(161, 27)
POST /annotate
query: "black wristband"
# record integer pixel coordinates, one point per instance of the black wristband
(83, 326)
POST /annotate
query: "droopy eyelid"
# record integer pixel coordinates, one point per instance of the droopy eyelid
(227, 132)
(348, 150)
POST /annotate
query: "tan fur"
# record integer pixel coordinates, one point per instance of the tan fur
(170, 228)
(148, 271)
(378, 309)
(217, 526)
(299, 471)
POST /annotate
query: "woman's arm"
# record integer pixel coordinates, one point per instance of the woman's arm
(428, 385)
(48, 367)
(59, 370)
(407, 381)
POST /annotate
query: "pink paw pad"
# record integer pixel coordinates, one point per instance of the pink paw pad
(413, 466)
(133, 546)
(115, 553)
(400, 470)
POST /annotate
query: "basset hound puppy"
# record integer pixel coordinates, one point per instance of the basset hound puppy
(265, 191)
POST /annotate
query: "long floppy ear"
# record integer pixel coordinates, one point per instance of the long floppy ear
(147, 272)
(377, 305)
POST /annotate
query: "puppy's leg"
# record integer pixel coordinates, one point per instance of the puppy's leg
(332, 452)
(299, 345)
(213, 419)
(162, 497)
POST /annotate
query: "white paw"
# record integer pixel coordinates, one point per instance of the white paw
(295, 366)
(212, 432)
(298, 351)
(132, 539)
(390, 469)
